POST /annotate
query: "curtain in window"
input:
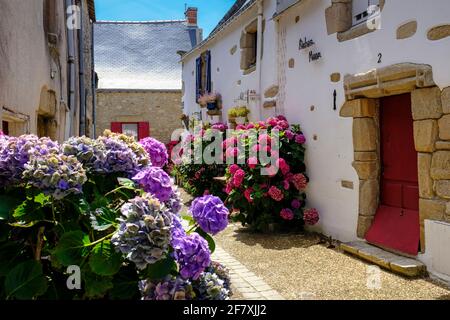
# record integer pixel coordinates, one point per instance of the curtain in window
(198, 78)
(208, 71)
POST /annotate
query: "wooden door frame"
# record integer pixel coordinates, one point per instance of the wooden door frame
(363, 93)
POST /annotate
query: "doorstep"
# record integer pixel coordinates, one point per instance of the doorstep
(387, 260)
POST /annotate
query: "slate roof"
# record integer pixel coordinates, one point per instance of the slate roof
(141, 55)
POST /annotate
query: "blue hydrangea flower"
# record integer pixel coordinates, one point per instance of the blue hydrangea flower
(210, 213)
(170, 288)
(144, 232)
(55, 174)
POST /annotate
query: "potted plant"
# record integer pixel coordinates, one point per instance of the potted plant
(212, 101)
(241, 115)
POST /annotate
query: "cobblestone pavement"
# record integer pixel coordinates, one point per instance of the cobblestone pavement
(245, 284)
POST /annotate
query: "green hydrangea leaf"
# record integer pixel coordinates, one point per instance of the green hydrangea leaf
(160, 269)
(125, 285)
(207, 237)
(96, 287)
(103, 218)
(124, 182)
(26, 281)
(71, 248)
(104, 259)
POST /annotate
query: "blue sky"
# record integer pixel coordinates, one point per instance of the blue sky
(210, 11)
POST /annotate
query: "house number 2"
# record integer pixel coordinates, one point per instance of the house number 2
(379, 57)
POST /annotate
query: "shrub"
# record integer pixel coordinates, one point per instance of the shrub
(74, 207)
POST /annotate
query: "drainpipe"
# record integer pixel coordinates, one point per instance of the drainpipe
(93, 84)
(81, 72)
(70, 113)
(259, 55)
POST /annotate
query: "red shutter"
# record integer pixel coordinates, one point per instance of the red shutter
(116, 127)
(143, 130)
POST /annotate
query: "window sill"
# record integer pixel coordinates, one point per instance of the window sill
(354, 32)
(249, 70)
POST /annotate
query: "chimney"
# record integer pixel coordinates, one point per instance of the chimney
(191, 16)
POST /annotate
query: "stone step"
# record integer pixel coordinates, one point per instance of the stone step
(387, 260)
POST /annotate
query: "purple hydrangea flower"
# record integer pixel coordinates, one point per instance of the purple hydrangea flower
(210, 213)
(192, 254)
(156, 181)
(156, 150)
(177, 230)
(118, 157)
(210, 286)
(144, 232)
(142, 156)
(170, 288)
(55, 174)
(15, 152)
(174, 204)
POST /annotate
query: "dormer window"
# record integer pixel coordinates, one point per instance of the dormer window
(363, 10)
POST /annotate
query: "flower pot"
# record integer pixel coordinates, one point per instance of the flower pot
(211, 106)
(240, 120)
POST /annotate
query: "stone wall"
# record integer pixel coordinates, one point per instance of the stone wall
(431, 114)
(162, 109)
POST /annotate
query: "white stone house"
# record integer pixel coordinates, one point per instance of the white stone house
(340, 68)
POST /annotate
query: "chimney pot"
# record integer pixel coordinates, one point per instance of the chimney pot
(191, 16)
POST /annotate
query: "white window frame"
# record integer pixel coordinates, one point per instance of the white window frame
(363, 10)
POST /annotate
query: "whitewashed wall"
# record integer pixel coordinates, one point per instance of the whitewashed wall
(329, 158)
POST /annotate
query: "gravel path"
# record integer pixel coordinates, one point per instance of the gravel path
(299, 267)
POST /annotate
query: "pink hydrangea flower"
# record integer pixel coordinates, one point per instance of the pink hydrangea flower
(289, 134)
(250, 126)
(300, 181)
(256, 148)
(241, 127)
(281, 118)
(287, 214)
(300, 139)
(283, 165)
(252, 162)
(272, 122)
(276, 194)
(228, 188)
(238, 178)
(264, 139)
(232, 152)
(271, 170)
(234, 168)
(248, 194)
(261, 125)
(286, 184)
(311, 217)
(206, 193)
(296, 204)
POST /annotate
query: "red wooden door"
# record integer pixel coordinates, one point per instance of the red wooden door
(396, 224)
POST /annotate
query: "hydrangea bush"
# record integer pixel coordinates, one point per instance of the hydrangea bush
(276, 195)
(101, 204)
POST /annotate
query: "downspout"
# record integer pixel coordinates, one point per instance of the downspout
(81, 72)
(94, 85)
(259, 55)
(70, 113)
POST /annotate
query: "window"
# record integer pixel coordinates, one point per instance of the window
(138, 130)
(5, 127)
(203, 74)
(363, 10)
(249, 47)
